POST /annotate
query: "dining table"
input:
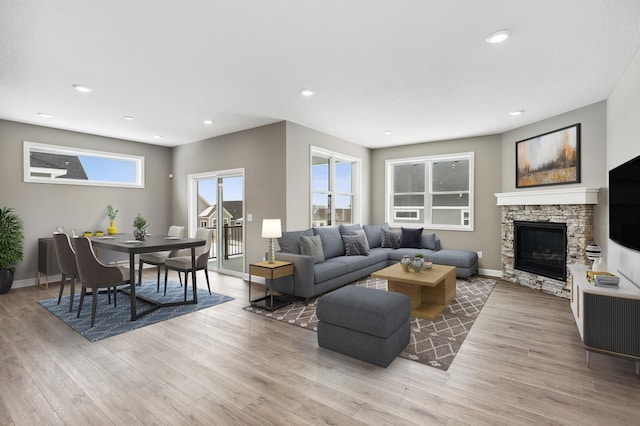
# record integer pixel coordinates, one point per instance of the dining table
(126, 243)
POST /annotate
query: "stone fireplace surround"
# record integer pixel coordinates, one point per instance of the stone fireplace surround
(573, 207)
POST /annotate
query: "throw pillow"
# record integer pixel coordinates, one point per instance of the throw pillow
(390, 239)
(373, 234)
(312, 246)
(411, 238)
(290, 240)
(356, 244)
(429, 241)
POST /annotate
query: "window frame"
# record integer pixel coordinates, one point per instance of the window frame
(428, 207)
(356, 184)
(29, 147)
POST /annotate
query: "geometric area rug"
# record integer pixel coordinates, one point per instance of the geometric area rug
(434, 343)
(111, 320)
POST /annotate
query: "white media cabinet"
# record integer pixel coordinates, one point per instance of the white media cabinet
(608, 318)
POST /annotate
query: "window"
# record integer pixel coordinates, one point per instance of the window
(434, 192)
(334, 188)
(73, 166)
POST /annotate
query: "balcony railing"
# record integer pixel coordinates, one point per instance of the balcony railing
(231, 241)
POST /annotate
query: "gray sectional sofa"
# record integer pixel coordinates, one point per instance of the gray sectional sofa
(327, 258)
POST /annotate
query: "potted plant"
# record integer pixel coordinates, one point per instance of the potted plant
(417, 262)
(11, 239)
(140, 227)
(112, 213)
(99, 233)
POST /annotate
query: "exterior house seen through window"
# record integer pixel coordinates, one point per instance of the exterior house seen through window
(334, 188)
(434, 192)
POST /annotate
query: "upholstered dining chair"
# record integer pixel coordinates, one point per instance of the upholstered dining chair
(67, 263)
(93, 274)
(159, 257)
(183, 263)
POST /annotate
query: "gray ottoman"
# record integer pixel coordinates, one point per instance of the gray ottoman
(465, 261)
(365, 323)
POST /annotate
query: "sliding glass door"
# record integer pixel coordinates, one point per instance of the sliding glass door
(217, 203)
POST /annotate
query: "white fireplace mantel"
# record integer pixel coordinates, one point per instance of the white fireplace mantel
(548, 196)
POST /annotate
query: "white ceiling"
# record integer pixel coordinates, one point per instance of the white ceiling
(420, 68)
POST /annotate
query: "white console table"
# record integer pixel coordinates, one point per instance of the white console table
(608, 318)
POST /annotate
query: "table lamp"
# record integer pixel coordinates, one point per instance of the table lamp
(271, 229)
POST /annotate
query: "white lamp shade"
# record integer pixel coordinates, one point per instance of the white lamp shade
(271, 228)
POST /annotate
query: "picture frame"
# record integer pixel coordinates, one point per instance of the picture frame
(552, 158)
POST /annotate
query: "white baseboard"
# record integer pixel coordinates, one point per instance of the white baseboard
(490, 272)
(30, 282)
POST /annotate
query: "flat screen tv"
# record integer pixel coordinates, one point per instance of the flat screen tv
(624, 204)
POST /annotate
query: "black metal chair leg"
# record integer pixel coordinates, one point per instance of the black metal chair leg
(94, 304)
(206, 274)
(82, 293)
(62, 281)
(166, 272)
(72, 293)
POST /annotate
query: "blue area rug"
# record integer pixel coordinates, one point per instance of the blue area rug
(111, 321)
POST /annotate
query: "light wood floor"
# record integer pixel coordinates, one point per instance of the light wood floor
(522, 363)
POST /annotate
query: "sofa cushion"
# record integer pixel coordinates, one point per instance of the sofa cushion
(374, 236)
(379, 254)
(332, 245)
(390, 239)
(312, 246)
(290, 240)
(355, 243)
(396, 255)
(353, 263)
(429, 241)
(411, 238)
(346, 229)
(328, 270)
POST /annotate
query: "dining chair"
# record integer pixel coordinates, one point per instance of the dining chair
(94, 274)
(67, 264)
(159, 257)
(183, 263)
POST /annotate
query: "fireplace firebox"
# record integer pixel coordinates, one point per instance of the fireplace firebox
(541, 248)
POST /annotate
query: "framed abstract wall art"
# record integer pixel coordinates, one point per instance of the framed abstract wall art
(552, 158)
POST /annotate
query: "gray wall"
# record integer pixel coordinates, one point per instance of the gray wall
(261, 152)
(299, 142)
(623, 144)
(486, 234)
(45, 206)
(593, 137)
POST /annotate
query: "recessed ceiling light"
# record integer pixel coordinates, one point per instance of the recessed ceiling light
(207, 122)
(388, 132)
(128, 118)
(517, 112)
(498, 36)
(307, 92)
(157, 136)
(82, 89)
(44, 115)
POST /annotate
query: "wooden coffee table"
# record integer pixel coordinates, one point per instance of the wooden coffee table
(430, 291)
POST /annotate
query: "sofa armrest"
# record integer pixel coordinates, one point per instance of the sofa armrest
(303, 275)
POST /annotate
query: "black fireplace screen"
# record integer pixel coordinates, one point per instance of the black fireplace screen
(541, 248)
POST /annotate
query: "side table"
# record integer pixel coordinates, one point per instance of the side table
(271, 271)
